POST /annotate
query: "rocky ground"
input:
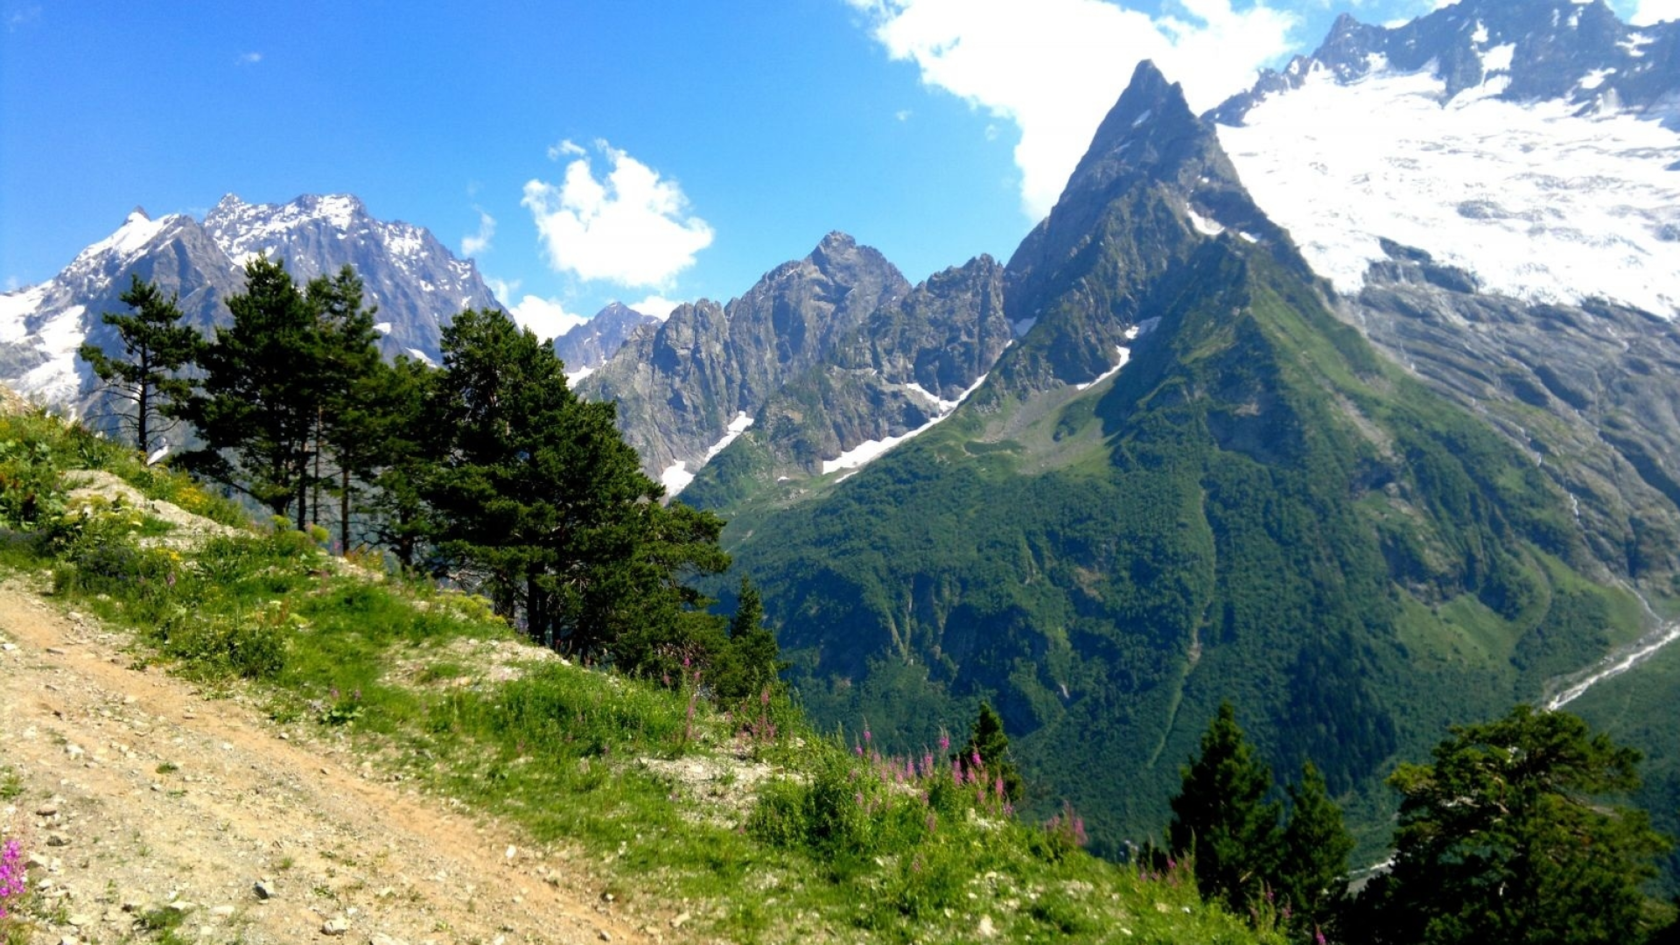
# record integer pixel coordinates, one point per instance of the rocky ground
(150, 812)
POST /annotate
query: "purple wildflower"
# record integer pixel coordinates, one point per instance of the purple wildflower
(12, 877)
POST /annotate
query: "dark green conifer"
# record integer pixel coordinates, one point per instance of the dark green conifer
(259, 402)
(157, 348)
(537, 498)
(1313, 869)
(1221, 818)
(751, 663)
(988, 741)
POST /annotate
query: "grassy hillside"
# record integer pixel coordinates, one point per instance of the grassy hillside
(1257, 508)
(748, 827)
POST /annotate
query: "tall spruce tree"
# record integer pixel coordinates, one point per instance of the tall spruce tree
(404, 442)
(1509, 837)
(157, 348)
(1312, 872)
(751, 663)
(1221, 817)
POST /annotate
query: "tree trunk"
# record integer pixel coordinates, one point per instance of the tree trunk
(344, 512)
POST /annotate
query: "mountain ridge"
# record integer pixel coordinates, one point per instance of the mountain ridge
(417, 283)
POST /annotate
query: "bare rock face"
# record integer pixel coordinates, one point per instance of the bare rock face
(679, 387)
(1587, 390)
(589, 345)
(906, 366)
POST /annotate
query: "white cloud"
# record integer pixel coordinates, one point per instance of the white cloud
(633, 227)
(250, 58)
(503, 289)
(1655, 11)
(565, 148)
(1055, 67)
(547, 317)
(657, 306)
(474, 244)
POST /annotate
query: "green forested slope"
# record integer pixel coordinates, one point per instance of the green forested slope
(1257, 508)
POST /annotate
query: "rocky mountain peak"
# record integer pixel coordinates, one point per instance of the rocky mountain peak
(417, 284)
(682, 385)
(587, 346)
(1147, 126)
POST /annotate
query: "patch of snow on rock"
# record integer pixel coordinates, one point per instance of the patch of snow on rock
(676, 478)
(1203, 225)
(15, 309)
(55, 381)
(737, 426)
(1125, 358)
(862, 454)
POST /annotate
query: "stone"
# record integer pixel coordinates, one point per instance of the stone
(263, 889)
(57, 840)
(80, 920)
(680, 920)
(380, 938)
(338, 925)
(986, 929)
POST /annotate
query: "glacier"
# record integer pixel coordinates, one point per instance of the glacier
(1543, 201)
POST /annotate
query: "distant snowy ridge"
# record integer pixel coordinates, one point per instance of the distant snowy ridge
(415, 282)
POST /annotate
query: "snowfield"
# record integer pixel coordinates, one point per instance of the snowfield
(1536, 201)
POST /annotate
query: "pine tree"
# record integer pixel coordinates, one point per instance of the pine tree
(157, 348)
(1312, 872)
(352, 374)
(1507, 837)
(402, 440)
(539, 500)
(1221, 818)
(259, 402)
(988, 742)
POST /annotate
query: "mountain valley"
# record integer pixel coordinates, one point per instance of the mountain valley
(1354, 402)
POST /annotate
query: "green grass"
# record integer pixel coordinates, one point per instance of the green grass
(828, 845)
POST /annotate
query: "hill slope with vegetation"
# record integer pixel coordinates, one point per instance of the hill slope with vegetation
(641, 807)
(1251, 505)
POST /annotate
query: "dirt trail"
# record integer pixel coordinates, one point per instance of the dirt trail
(119, 832)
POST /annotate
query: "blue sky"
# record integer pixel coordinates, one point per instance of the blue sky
(586, 152)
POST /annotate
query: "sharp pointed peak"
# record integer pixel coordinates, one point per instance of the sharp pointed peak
(1152, 107)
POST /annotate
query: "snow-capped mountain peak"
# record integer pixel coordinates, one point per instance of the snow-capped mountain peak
(415, 281)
